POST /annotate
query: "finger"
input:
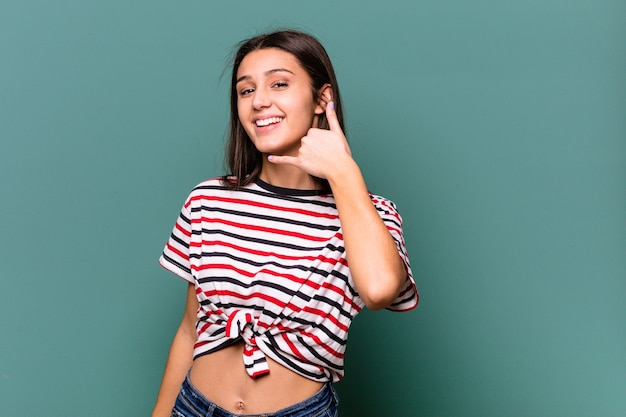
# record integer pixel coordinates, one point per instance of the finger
(331, 116)
(282, 159)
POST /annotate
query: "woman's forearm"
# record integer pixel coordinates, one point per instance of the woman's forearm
(375, 265)
(179, 359)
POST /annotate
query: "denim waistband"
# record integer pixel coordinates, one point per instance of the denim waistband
(192, 403)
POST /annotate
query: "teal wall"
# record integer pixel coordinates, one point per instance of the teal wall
(498, 127)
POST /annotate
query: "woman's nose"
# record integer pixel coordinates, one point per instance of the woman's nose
(261, 99)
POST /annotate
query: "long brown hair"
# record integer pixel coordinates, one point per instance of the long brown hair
(243, 159)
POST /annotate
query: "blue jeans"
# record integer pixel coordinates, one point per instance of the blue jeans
(192, 403)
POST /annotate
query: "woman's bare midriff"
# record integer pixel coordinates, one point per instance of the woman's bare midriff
(222, 378)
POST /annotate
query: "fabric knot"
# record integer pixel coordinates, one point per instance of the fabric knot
(240, 325)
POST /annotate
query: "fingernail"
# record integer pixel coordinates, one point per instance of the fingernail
(269, 158)
(332, 105)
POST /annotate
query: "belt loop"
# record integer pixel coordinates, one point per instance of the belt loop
(335, 395)
(211, 410)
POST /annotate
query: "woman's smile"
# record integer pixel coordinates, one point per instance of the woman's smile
(270, 121)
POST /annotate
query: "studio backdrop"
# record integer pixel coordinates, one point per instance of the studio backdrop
(497, 127)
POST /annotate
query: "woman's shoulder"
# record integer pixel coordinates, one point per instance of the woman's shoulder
(382, 202)
(206, 188)
(217, 186)
(226, 182)
(212, 183)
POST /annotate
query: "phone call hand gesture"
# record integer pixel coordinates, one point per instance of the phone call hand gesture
(322, 152)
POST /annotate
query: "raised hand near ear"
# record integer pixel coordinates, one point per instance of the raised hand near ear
(321, 151)
(375, 265)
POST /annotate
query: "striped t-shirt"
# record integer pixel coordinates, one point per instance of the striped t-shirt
(269, 267)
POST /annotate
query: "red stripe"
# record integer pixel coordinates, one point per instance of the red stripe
(261, 372)
(257, 252)
(385, 204)
(177, 252)
(394, 229)
(249, 351)
(293, 307)
(214, 327)
(292, 347)
(249, 274)
(253, 203)
(199, 344)
(340, 291)
(245, 297)
(220, 243)
(318, 341)
(264, 229)
(326, 316)
(183, 230)
(230, 320)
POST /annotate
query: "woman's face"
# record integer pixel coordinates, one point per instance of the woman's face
(275, 101)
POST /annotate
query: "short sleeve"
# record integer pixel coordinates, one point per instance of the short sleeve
(408, 297)
(175, 256)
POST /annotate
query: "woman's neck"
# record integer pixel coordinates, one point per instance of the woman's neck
(287, 176)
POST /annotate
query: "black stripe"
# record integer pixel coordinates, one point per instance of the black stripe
(177, 264)
(346, 281)
(409, 299)
(180, 241)
(247, 285)
(276, 351)
(246, 214)
(184, 218)
(264, 193)
(261, 241)
(256, 362)
(318, 356)
(319, 272)
(334, 304)
(317, 326)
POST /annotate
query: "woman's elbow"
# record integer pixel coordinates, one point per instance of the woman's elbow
(378, 297)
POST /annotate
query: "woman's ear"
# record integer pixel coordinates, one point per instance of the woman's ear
(325, 96)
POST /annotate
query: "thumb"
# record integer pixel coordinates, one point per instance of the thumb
(331, 116)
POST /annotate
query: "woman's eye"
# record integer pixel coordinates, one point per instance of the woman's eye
(280, 84)
(245, 91)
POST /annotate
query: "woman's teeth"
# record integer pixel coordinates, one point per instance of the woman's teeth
(268, 121)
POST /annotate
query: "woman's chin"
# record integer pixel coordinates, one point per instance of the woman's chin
(268, 149)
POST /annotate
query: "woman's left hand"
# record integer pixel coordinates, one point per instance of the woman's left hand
(321, 151)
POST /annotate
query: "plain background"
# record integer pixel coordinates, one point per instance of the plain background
(497, 127)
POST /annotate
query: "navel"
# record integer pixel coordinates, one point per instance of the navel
(240, 406)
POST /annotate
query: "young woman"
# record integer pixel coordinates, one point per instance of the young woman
(282, 254)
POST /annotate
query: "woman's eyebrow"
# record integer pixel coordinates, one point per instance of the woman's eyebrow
(267, 73)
